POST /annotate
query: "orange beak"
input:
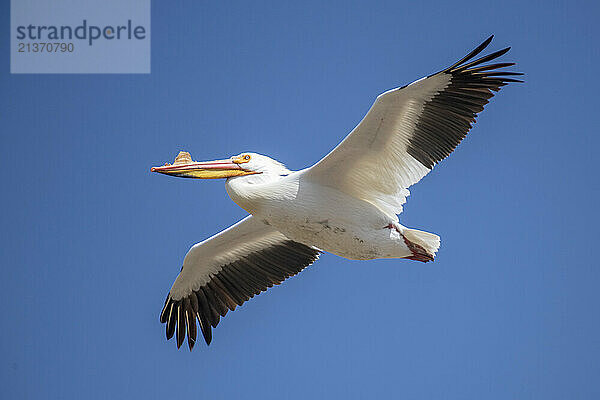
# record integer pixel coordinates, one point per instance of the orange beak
(203, 170)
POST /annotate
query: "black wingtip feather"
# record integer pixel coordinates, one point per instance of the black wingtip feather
(490, 66)
(164, 313)
(489, 57)
(511, 80)
(448, 116)
(206, 329)
(231, 286)
(190, 321)
(180, 325)
(472, 54)
(171, 321)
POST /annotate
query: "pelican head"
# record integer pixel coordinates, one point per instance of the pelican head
(240, 165)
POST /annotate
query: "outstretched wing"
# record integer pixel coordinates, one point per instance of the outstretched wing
(410, 129)
(226, 270)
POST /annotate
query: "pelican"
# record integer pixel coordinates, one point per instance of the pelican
(346, 204)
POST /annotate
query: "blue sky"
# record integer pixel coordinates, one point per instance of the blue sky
(91, 241)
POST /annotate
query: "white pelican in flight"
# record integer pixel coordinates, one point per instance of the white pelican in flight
(345, 204)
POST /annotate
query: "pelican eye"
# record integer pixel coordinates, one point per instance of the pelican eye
(241, 159)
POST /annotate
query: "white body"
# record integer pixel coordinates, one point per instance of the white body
(319, 216)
